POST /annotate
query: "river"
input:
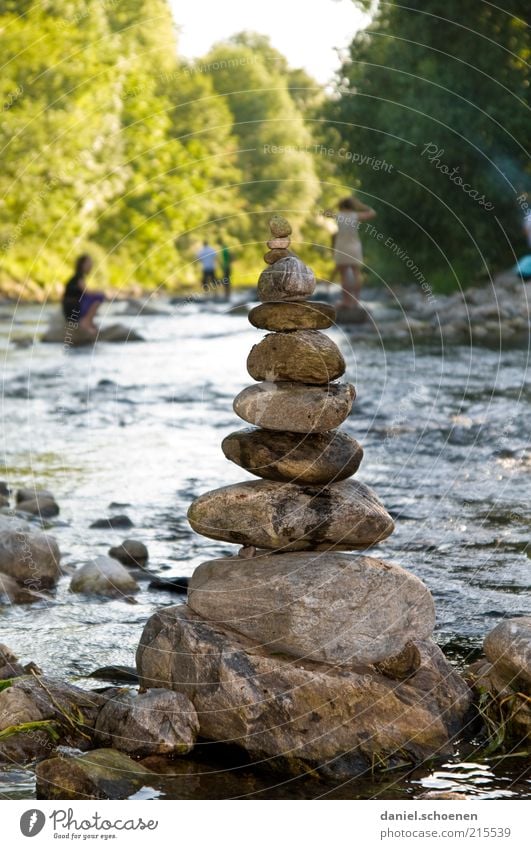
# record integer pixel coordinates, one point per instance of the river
(445, 432)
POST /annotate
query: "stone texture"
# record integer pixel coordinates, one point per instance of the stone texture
(31, 493)
(103, 576)
(33, 699)
(503, 700)
(508, 647)
(272, 515)
(15, 593)
(314, 458)
(280, 243)
(159, 722)
(101, 774)
(287, 279)
(44, 506)
(131, 552)
(29, 556)
(279, 226)
(304, 356)
(301, 714)
(294, 407)
(274, 255)
(292, 315)
(322, 606)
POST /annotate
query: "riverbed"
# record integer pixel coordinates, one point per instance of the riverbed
(446, 437)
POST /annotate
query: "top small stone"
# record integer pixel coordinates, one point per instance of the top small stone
(279, 226)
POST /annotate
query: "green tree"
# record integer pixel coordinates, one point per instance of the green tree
(440, 91)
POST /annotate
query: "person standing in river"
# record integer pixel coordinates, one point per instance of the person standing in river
(226, 268)
(79, 305)
(207, 256)
(348, 253)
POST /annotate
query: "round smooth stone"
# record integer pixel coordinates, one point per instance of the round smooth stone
(311, 458)
(292, 315)
(304, 356)
(273, 256)
(279, 226)
(294, 406)
(288, 279)
(289, 517)
(279, 243)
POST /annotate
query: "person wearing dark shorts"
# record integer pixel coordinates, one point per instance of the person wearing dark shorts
(79, 305)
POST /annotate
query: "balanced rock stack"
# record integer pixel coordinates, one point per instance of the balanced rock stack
(293, 649)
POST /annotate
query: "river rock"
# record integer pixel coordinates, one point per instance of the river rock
(323, 606)
(294, 407)
(508, 648)
(113, 522)
(31, 493)
(286, 516)
(279, 226)
(42, 505)
(131, 552)
(287, 279)
(103, 576)
(100, 774)
(13, 593)
(29, 556)
(159, 722)
(40, 698)
(279, 243)
(314, 458)
(292, 315)
(274, 255)
(301, 714)
(304, 356)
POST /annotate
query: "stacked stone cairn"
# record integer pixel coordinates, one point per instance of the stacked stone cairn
(296, 651)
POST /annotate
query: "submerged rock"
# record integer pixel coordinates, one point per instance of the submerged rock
(321, 606)
(300, 714)
(288, 279)
(295, 407)
(75, 337)
(103, 576)
(304, 356)
(131, 552)
(316, 458)
(508, 648)
(288, 315)
(113, 522)
(100, 774)
(272, 515)
(42, 505)
(159, 722)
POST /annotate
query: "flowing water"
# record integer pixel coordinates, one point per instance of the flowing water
(445, 433)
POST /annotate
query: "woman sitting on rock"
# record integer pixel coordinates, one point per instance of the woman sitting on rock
(79, 305)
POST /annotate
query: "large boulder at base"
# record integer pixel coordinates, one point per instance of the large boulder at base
(300, 714)
(73, 712)
(29, 556)
(508, 648)
(304, 356)
(295, 407)
(313, 458)
(292, 315)
(272, 515)
(159, 722)
(323, 606)
(288, 279)
(103, 576)
(100, 774)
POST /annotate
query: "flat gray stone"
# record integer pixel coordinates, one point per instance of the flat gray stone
(294, 406)
(286, 516)
(309, 458)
